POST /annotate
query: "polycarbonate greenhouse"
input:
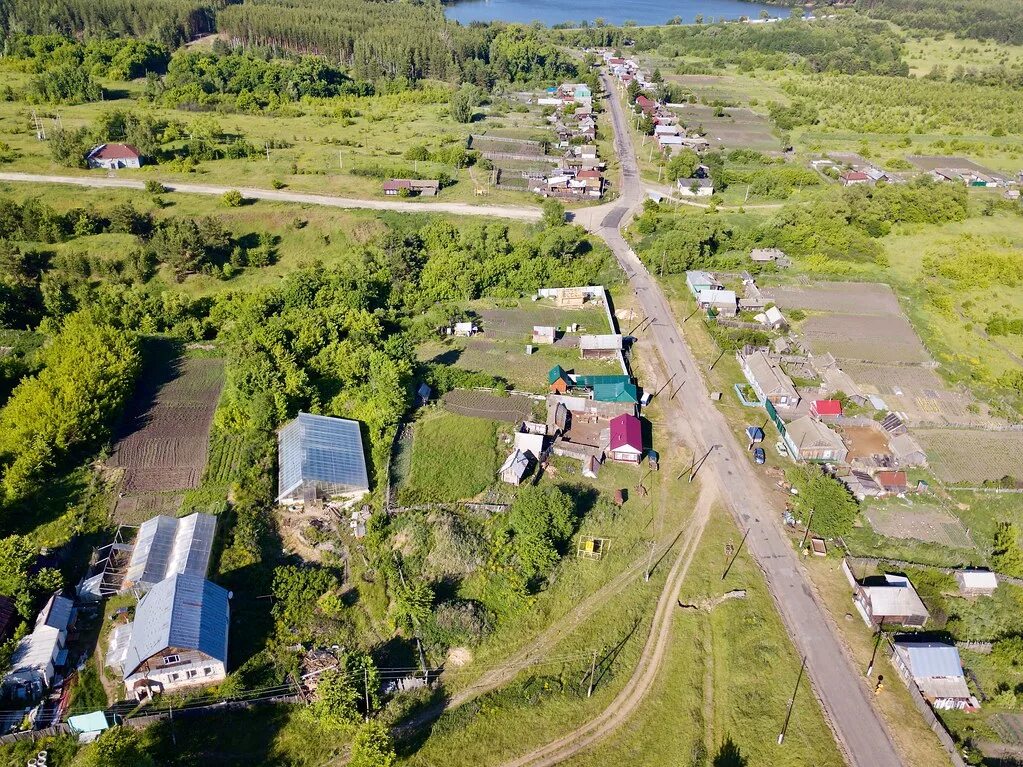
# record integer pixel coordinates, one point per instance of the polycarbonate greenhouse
(167, 546)
(320, 457)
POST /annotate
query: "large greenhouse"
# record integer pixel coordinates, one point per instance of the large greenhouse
(320, 458)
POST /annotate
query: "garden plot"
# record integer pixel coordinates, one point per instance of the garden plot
(500, 350)
(846, 297)
(480, 404)
(164, 442)
(738, 128)
(864, 328)
(972, 455)
(922, 523)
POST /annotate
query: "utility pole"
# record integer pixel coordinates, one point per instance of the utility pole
(736, 554)
(365, 688)
(266, 145)
(792, 702)
(877, 644)
(807, 533)
(593, 672)
(340, 161)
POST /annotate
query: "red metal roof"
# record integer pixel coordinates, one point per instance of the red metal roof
(855, 175)
(891, 479)
(116, 152)
(626, 431)
(827, 407)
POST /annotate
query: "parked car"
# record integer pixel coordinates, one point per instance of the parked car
(754, 434)
(759, 456)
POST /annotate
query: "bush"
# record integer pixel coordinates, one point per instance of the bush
(232, 198)
(833, 508)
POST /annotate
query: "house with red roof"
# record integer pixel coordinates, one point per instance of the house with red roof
(114, 156)
(826, 408)
(853, 177)
(645, 104)
(626, 444)
(893, 482)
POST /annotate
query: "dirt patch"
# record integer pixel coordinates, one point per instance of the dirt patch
(857, 298)
(480, 404)
(864, 441)
(458, 657)
(164, 441)
(922, 523)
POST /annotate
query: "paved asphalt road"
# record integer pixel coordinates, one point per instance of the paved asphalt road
(517, 212)
(841, 687)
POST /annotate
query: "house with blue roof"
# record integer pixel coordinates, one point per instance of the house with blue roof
(178, 637)
(936, 670)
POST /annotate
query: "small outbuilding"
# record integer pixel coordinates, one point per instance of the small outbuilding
(891, 600)
(544, 334)
(514, 468)
(558, 381)
(976, 583)
(37, 656)
(907, 451)
(937, 671)
(596, 347)
(826, 408)
(894, 482)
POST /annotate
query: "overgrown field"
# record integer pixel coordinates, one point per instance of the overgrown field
(454, 458)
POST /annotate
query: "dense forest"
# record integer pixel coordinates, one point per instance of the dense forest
(169, 21)
(848, 44)
(999, 20)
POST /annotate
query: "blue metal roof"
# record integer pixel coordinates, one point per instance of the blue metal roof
(930, 659)
(94, 722)
(185, 612)
(323, 451)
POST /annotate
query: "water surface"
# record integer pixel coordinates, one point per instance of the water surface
(643, 12)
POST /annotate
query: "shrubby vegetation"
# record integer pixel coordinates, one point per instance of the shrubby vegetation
(999, 20)
(123, 58)
(88, 372)
(833, 508)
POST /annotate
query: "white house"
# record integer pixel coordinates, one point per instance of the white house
(114, 156)
(38, 655)
(177, 639)
(695, 187)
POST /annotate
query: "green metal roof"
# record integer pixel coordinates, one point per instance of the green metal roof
(557, 373)
(594, 380)
(619, 391)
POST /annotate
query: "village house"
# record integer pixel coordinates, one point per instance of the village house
(320, 458)
(826, 408)
(772, 318)
(976, 583)
(721, 301)
(37, 656)
(810, 440)
(699, 281)
(178, 638)
(937, 671)
(907, 451)
(695, 187)
(114, 157)
(890, 599)
(854, 177)
(769, 256)
(167, 546)
(600, 346)
(892, 482)
(769, 381)
(421, 187)
(531, 439)
(626, 443)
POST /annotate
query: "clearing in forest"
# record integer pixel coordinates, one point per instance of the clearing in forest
(162, 445)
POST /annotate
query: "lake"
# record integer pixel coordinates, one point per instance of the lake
(643, 12)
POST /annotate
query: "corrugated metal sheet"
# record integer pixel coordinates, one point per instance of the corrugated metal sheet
(932, 659)
(185, 612)
(321, 451)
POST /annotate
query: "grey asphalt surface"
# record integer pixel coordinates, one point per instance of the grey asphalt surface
(841, 688)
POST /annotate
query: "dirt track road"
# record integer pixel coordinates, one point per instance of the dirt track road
(652, 656)
(516, 212)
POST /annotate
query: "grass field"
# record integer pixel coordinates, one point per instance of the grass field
(326, 140)
(308, 233)
(454, 458)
